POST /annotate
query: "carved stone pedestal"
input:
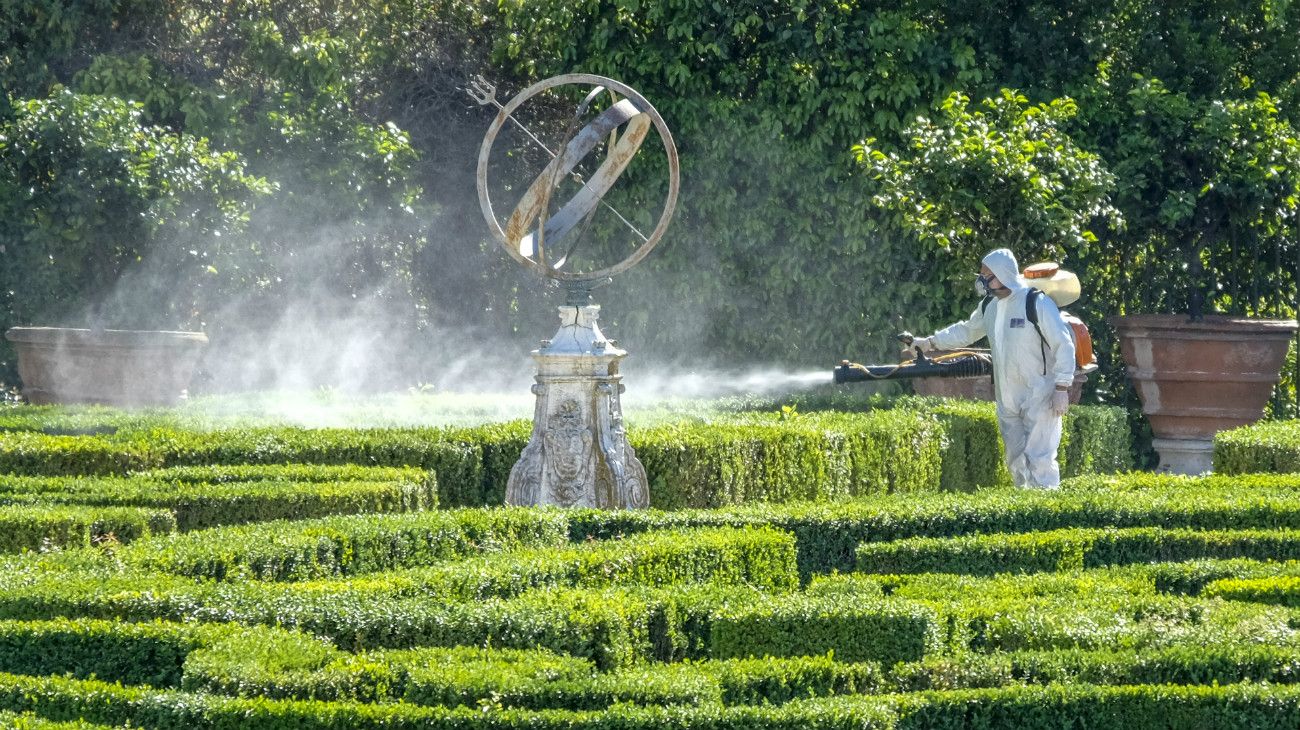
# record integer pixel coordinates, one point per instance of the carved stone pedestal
(578, 455)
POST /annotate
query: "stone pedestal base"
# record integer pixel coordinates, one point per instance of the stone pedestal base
(1184, 456)
(578, 455)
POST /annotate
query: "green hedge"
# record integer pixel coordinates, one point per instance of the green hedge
(458, 466)
(827, 535)
(293, 666)
(1270, 446)
(760, 557)
(1188, 665)
(348, 545)
(398, 610)
(1108, 608)
(1071, 549)
(197, 505)
(47, 527)
(171, 710)
(149, 653)
(1096, 440)
(736, 458)
(29, 721)
(834, 456)
(613, 627)
(277, 664)
(1232, 707)
(854, 630)
(456, 676)
(1100, 622)
(225, 473)
(1282, 590)
(25, 452)
(354, 546)
(973, 456)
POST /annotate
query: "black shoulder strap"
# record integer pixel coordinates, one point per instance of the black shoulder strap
(1031, 314)
(985, 304)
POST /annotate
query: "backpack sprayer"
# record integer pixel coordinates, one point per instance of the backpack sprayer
(1048, 278)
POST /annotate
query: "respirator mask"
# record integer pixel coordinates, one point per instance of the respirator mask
(982, 285)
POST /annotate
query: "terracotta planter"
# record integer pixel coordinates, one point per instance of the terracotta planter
(1198, 378)
(980, 388)
(111, 367)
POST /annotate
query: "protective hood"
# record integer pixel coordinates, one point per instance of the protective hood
(1003, 265)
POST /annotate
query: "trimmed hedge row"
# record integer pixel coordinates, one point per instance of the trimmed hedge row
(1269, 446)
(1071, 549)
(170, 710)
(1187, 578)
(828, 535)
(49, 527)
(805, 459)
(1231, 707)
(1100, 622)
(278, 664)
(1281, 590)
(1096, 609)
(349, 545)
(886, 631)
(197, 505)
(973, 457)
(1095, 583)
(29, 721)
(758, 556)
(532, 679)
(613, 626)
(225, 473)
(39, 454)
(459, 466)
(738, 458)
(1188, 665)
(148, 653)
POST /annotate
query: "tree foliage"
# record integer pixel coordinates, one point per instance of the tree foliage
(1180, 122)
(1004, 175)
(86, 186)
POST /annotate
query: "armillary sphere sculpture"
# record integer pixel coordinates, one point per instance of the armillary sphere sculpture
(578, 453)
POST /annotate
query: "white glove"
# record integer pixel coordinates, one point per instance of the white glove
(1060, 402)
(925, 343)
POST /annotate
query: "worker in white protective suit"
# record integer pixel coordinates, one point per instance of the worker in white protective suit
(1032, 373)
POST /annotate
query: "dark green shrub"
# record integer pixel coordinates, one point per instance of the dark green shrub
(972, 458)
(854, 630)
(1064, 550)
(197, 506)
(1281, 590)
(777, 680)
(40, 527)
(1189, 665)
(24, 452)
(29, 721)
(348, 545)
(1270, 446)
(827, 535)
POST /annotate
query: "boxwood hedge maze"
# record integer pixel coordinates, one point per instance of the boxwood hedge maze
(831, 569)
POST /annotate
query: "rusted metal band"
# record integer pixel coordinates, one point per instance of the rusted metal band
(591, 191)
(531, 205)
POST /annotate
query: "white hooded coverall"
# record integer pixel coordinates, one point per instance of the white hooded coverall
(1023, 379)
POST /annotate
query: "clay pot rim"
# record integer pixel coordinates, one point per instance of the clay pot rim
(1210, 323)
(88, 337)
